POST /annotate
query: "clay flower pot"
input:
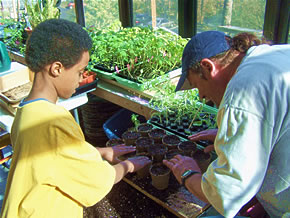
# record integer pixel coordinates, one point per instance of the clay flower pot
(160, 175)
(171, 141)
(157, 135)
(203, 159)
(144, 129)
(143, 143)
(88, 77)
(144, 171)
(157, 151)
(130, 137)
(187, 147)
(114, 142)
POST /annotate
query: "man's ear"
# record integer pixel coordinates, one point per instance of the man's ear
(209, 68)
(55, 68)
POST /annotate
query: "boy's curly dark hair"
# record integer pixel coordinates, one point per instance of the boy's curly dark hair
(56, 40)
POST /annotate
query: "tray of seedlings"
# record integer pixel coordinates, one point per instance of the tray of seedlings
(155, 180)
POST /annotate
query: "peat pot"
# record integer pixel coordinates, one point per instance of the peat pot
(171, 141)
(157, 135)
(144, 129)
(187, 147)
(143, 143)
(160, 175)
(114, 142)
(203, 159)
(130, 137)
(157, 151)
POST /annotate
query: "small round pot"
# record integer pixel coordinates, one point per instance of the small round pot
(171, 153)
(144, 171)
(171, 141)
(157, 135)
(187, 147)
(114, 142)
(203, 159)
(160, 175)
(157, 151)
(144, 129)
(130, 137)
(143, 143)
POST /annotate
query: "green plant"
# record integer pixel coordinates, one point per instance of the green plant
(186, 103)
(138, 54)
(38, 12)
(15, 36)
(135, 121)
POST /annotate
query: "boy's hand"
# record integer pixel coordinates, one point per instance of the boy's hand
(136, 163)
(111, 154)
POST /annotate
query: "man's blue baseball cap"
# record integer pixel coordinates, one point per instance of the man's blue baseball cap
(203, 45)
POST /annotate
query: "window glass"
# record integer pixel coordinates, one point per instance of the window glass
(67, 10)
(231, 16)
(101, 13)
(164, 11)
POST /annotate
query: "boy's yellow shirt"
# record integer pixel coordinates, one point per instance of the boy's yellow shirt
(54, 171)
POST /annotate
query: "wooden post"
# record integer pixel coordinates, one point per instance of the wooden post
(153, 13)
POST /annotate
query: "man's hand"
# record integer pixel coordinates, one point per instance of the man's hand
(208, 134)
(179, 164)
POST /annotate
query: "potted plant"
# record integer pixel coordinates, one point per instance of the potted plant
(39, 12)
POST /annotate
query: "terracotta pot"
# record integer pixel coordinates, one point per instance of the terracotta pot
(144, 129)
(187, 147)
(157, 135)
(171, 141)
(130, 137)
(160, 175)
(88, 77)
(144, 171)
(143, 143)
(157, 151)
(114, 142)
(203, 159)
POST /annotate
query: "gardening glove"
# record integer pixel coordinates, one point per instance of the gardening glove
(208, 134)
(178, 164)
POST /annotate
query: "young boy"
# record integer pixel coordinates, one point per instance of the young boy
(54, 171)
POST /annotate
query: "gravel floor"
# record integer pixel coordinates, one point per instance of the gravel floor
(125, 201)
